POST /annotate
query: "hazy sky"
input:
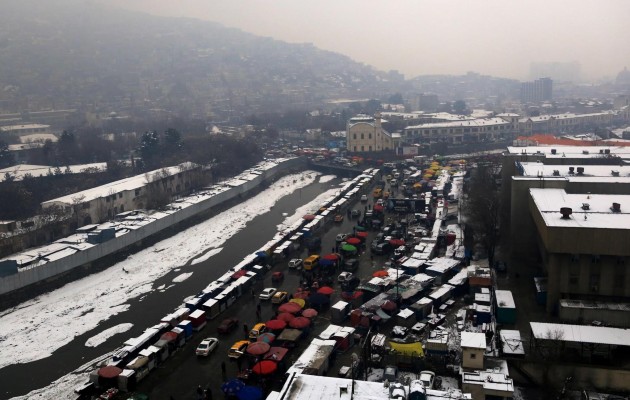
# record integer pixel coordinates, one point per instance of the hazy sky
(496, 37)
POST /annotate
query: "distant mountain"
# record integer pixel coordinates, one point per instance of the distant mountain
(76, 54)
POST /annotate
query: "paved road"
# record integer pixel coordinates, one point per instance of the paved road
(180, 375)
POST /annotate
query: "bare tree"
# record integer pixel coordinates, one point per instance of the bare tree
(481, 208)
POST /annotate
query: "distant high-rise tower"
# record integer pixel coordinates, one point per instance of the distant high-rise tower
(538, 90)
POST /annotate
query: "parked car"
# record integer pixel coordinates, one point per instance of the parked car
(227, 325)
(344, 276)
(364, 198)
(382, 248)
(257, 330)
(427, 378)
(351, 284)
(267, 293)
(238, 349)
(277, 276)
(355, 213)
(390, 373)
(295, 263)
(279, 297)
(207, 346)
(339, 218)
(341, 237)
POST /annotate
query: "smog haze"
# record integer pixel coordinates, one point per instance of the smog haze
(418, 37)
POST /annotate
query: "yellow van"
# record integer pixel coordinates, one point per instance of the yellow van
(258, 329)
(311, 262)
(378, 192)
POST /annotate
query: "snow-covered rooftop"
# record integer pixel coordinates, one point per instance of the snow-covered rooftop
(581, 333)
(475, 340)
(598, 215)
(571, 151)
(512, 342)
(612, 172)
(504, 299)
(132, 183)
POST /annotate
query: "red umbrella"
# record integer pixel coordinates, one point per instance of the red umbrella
(265, 367)
(309, 217)
(303, 294)
(327, 290)
(397, 242)
(361, 234)
(285, 316)
(290, 307)
(378, 207)
(353, 241)
(266, 337)
(389, 306)
(109, 372)
(258, 348)
(238, 274)
(169, 336)
(309, 313)
(380, 273)
(276, 324)
(300, 323)
(331, 257)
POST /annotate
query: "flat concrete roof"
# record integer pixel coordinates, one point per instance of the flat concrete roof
(599, 213)
(535, 169)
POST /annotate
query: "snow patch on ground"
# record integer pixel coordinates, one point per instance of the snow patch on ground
(326, 178)
(36, 328)
(308, 208)
(182, 277)
(106, 334)
(206, 256)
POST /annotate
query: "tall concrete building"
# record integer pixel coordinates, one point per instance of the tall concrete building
(536, 91)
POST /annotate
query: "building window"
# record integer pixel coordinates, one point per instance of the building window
(574, 278)
(594, 282)
(370, 148)
(107, 199)
(369, 136)
(575, 258)
(595, 258)
(362, 148)
(85, 206)
(354, 136)
(137, 193)
(120, 195)
(362, 136)
(473, 356)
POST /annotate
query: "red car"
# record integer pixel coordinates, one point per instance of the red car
(227, 325)
(277, 276)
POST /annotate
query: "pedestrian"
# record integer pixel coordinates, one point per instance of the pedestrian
(253, 293)
(223, 370)
(208, 394)
(199, 393)
(246, 330)
(258, 315)
(258, 307)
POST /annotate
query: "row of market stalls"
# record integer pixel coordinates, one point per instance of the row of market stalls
(138, 356)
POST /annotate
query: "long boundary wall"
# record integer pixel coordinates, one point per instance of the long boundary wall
(52, 269)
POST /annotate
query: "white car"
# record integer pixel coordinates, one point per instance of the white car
(295, 263)
(267, 293)
(345, 277)
(207, 346)
(364, 198)
(341, 237)
(427, 378)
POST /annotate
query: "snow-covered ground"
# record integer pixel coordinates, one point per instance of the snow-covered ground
(107, 333)
(81, 306)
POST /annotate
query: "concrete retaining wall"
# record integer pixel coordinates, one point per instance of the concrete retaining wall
(86, 257)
